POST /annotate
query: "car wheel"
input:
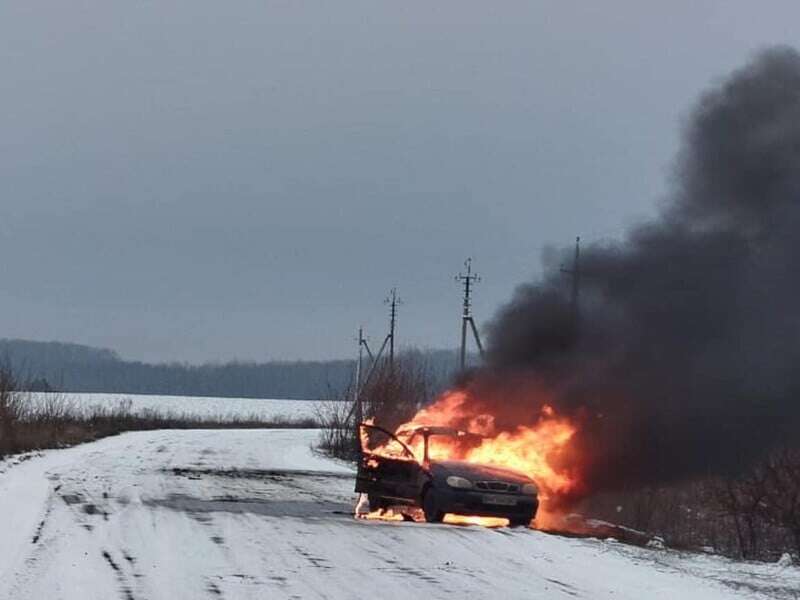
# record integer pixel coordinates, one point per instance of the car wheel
(523, 521)
(377, 503)
(431, 507)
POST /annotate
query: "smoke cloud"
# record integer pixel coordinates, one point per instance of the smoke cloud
(684, 356)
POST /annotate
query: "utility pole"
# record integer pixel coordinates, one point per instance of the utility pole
(467, 280)
(575, 273)
(359, 410)
(392, 301)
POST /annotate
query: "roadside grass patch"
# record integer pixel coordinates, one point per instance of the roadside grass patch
(27, 425)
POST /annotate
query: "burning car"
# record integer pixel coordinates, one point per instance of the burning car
(391, 473)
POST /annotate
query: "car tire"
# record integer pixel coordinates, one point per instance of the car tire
(524, 521)
(377, 503)
(433, 514)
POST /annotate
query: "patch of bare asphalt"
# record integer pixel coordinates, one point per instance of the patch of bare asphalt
(71, 499)
(279, 475)
(304, 504)
(259, 506)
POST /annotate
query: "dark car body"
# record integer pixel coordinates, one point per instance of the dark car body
(403, 479)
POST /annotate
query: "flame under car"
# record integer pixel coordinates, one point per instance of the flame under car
(391, 473)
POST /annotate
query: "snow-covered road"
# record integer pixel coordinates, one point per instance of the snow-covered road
(255, 514)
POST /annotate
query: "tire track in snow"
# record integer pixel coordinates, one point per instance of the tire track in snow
(125, 587)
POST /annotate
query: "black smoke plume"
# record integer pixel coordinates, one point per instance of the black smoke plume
(683, 357)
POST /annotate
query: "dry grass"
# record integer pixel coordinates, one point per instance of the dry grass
(56, 423)
(755, 515)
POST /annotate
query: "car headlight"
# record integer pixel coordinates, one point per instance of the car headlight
(530, 489)
(459, 482)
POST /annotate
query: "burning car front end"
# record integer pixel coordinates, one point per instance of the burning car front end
(479, 490)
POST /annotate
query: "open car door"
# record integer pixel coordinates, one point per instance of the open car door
(387, 468)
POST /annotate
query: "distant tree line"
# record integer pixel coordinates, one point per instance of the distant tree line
(76, 368)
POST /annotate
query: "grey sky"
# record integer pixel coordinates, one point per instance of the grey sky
(204, 180)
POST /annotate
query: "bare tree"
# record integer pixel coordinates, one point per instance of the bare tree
(781, 504)
(9, 409)
(740, 499)
(391, 396)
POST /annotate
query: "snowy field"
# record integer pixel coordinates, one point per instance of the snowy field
(255, 514)
(196, 406)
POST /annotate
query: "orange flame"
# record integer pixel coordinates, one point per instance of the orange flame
(408, 513)
(542, 451)
(490, 522)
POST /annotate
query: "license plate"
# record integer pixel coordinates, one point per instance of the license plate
(500, 500)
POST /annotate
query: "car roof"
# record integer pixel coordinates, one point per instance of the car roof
(435, 430)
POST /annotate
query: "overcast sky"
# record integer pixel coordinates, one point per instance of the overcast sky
(203, 180)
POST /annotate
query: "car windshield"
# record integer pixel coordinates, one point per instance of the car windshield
(443, 443)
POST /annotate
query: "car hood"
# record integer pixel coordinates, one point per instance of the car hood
(477, 472)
